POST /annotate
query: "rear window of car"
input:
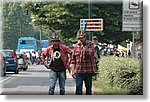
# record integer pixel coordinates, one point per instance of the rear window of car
(7, 53)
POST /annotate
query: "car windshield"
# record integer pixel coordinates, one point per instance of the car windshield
(7, 53)
(19, 55)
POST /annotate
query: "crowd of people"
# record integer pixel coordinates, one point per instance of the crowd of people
(33, 58)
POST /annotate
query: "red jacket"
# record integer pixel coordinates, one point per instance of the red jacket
(64, 51)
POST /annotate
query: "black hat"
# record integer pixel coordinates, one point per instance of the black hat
(80, 33)
(55, 36)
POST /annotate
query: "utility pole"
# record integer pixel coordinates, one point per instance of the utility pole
(89, 14)
(41, 34)
(20, 24)
(41, 38)
(20, 29)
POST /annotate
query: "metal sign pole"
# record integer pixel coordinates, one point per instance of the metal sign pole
(89, 12)
(133, 50)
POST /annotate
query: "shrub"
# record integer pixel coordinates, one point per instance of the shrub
(122, 73)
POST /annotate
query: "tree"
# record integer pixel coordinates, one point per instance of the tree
(15, 24)
(112, 17)
(65, 18)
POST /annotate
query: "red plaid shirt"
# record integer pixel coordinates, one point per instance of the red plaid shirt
(84, 59)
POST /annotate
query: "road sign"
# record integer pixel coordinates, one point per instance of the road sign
(132, 15)
(91, 24)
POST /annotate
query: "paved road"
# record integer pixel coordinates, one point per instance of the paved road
(35, 81)
(31, 82)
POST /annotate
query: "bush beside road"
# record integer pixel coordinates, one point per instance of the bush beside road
(119, 75)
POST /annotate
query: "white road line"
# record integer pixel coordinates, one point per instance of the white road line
(1, 81)
(1, 92)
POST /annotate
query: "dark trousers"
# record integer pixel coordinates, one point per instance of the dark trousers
(87, 78)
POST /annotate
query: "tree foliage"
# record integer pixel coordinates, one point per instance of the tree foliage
(15, 25)
(64, 17)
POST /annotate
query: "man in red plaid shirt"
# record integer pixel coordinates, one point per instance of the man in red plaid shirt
(59, 62)
(83, 65)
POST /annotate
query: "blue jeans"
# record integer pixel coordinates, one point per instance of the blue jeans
(87, 78)
(61, 76)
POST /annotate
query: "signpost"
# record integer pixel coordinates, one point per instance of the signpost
(132, 15)
(91, 24)
(132, 18)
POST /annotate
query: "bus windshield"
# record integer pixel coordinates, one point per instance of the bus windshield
(28, 44)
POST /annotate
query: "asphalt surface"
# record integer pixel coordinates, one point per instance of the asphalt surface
(34, 81)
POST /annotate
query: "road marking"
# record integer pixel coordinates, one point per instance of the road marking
(1, 91)
(1, 81)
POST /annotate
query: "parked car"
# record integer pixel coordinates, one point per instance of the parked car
(22, 61)
(2, 66)
(11, 62)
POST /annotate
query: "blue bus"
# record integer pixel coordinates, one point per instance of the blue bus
(28, 44)
(44, 44)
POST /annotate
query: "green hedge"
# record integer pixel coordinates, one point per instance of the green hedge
(120, 75)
